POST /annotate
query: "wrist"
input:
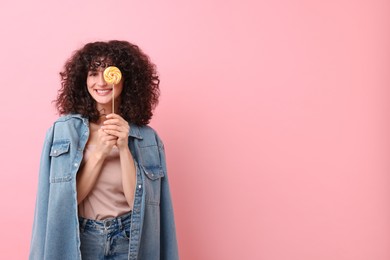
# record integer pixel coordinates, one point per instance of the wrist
(99, 156)
(122, 145)
(123, 149)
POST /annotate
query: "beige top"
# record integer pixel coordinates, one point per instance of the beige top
(106, 199)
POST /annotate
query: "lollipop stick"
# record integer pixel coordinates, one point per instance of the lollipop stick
(113, 98)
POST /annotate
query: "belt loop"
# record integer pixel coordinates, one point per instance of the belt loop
(107, 223)
(83, 224)
(119, 223)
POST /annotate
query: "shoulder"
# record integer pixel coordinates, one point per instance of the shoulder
(68, 124)
(148, 131)
(146, 135)
(70, 119)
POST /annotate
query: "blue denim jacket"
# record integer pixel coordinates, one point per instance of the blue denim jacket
(55, 232)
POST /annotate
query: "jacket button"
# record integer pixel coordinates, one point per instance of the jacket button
(139, 186)
(76, 164)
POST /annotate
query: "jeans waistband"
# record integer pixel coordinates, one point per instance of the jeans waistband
(105, 224)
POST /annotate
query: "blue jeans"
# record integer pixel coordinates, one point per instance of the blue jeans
(105, 239)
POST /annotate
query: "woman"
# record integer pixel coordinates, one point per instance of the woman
(103, 191)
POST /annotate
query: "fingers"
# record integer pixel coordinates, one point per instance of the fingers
(116, 125)
(105, 142)
(116, 134)
(114, 119)
(108, 128)
(113, 115)
(103, 136)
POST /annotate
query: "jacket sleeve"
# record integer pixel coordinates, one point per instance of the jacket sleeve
(169, 248)
(38, 240)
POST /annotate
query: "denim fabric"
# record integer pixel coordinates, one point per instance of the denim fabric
(105, 239)
(55, 233)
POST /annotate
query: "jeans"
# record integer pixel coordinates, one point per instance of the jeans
(105, 239)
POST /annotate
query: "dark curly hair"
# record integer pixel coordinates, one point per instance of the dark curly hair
(140, 91)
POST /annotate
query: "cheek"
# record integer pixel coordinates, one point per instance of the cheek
(89, 87)
(89, 83)
(119, 88)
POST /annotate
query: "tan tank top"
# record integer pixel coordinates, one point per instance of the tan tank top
(106, 199)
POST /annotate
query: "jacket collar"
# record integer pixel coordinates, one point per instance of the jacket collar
(134, 131)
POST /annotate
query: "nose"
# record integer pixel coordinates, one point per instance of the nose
(101, 81)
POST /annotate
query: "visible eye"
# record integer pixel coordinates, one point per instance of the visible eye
(92, 74)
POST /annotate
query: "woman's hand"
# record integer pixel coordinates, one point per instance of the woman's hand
(105, 142)
(117, 127)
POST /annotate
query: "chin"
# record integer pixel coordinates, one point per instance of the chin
(103, 102)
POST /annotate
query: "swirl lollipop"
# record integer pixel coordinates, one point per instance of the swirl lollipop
(112, 75)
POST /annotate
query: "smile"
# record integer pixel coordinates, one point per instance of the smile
(103, 92)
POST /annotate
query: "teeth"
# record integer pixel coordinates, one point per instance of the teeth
(103, 91)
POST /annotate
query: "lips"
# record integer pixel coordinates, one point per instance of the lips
(103, 92)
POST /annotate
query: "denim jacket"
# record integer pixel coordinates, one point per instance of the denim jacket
(55, 233)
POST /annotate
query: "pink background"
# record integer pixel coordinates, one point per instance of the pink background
(275, 117)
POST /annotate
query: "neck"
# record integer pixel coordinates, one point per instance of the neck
(106, 109)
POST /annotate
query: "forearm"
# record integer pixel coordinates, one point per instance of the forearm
(87, 176)
(128, 174)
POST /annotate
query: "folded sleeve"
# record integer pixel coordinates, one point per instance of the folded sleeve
(38, 240)
(168, 248)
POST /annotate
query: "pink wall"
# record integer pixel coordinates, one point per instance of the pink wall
(274, 115)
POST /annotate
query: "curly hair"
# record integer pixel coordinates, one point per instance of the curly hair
(140, 91)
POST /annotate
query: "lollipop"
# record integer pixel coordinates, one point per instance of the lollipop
(112, 75)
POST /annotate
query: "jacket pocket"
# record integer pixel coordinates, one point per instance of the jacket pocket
(153, 185)
(154, 173)
(59, 168)
(59, 147)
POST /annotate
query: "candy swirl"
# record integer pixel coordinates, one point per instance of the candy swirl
(112, 75)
